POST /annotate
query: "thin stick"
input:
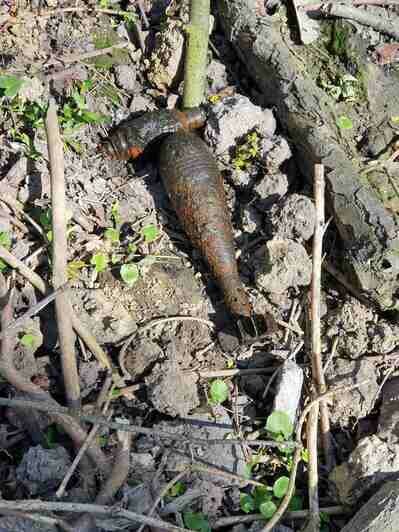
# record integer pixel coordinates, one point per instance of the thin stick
(49, 408)
(298, 514)
(60, 249)
(36, 281)
(313, 524)
(61, 490)
(197, 53)
(361, 16)
(297, 454)
(37, 505)
(317, 365)
(232, 372)
(35, 309)
(164, 493)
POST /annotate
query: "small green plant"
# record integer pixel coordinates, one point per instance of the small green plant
(130, 274)
(177, 489)
(5, 241)
(100, 262)
(265, 498)
(10, 86)
(196, 521)
(279, 425)
(247, 153)
(30, 341)
(218, 392)
(344, 122)
(50, 437)
(149, 233)
(75, 113)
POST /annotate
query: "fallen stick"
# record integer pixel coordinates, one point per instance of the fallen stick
(362, 17)
(60, 250)
(37, 505)
(56, 409)
(297, 514)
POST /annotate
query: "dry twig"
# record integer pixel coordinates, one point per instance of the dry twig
(60, 249)
(37, 505)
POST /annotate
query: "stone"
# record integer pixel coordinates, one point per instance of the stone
(125, 76)
(288, 389)
(378, 514)
(293, 218)
(41, 470)
(233, 118)
(282, 264)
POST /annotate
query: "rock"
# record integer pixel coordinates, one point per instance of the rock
(125, 76)
(350, 324)
(275, 151)
(270, 189)
(356, 403)
(282, 264)
(166, 377)
(388, 423)
(41, 470)
(205, 426)
(136, 360)
(141, 103)
(289, 388)
(211, 497)
(371, 463)
(251, 219)
(383, 337)
(164, 67)
(378, 514)
(293, 218)
(233, 118)
(217, 76)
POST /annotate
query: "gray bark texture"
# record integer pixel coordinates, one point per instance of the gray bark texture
(283, 73)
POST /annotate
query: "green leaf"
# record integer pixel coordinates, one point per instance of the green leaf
(11, 85)
(5, 239)
(90, 117)
(296, 503)
(150, 233)
(261, 495)
(45, 219)
(280, 487)
(112, 235)
(219, 392)
(305, 455)
(177, 489)
(344, 122)
(130, 274)
(268, 509)
(115, 213)
(279, 423)
(247, 472)
(30, 341)
(86, 85)
(50, 436)
(99, 261)
(247, 503)
(131, 248)
(196, 521)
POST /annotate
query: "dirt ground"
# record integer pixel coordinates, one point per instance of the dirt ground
(176, 375)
